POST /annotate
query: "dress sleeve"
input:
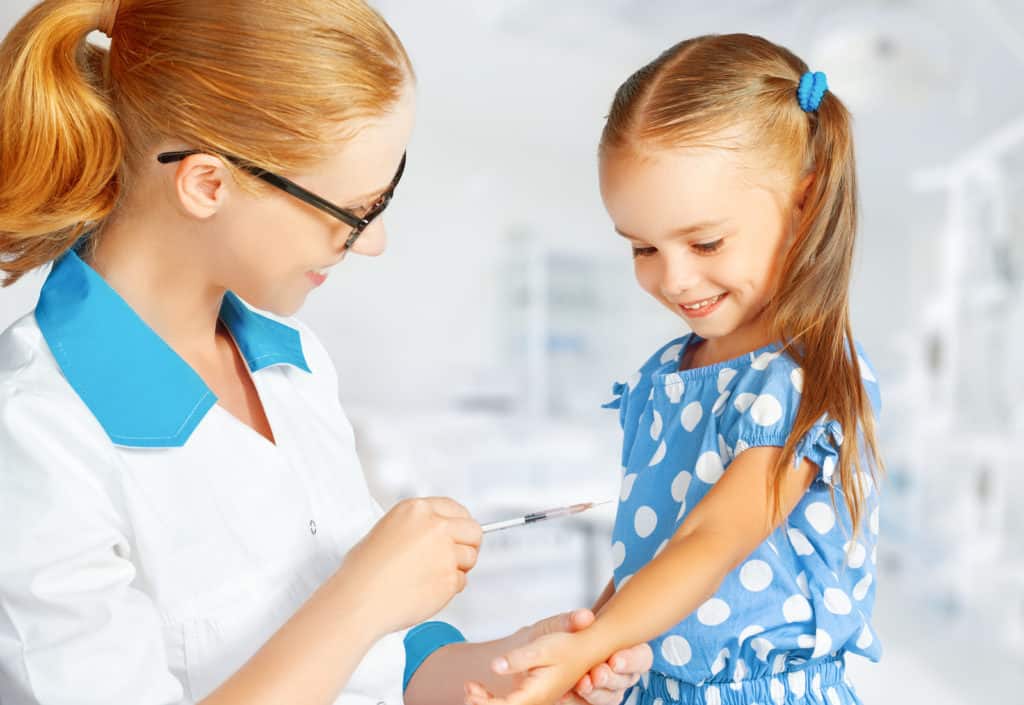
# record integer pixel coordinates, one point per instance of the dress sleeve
(620, 395)
(630, 397)
(768, 403)
(74, 628)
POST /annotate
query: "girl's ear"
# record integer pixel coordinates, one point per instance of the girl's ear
(800, 193)
(803, 188)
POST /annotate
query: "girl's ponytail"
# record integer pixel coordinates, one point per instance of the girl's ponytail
(61, 148)
(818, 268)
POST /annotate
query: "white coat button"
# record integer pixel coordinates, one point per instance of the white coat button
(312, 527)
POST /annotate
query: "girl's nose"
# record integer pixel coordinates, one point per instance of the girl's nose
(678, 276)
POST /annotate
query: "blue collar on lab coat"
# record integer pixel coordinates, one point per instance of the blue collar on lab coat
(141, 391)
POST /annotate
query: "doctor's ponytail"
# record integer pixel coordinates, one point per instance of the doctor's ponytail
(61, 148)
(274, 83)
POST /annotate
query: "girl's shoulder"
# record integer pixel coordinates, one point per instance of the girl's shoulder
(773, 373)
(664, 360)
(759, 406)
(770, 372)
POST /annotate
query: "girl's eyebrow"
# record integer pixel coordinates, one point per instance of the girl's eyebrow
(698, 227)
(688, 230)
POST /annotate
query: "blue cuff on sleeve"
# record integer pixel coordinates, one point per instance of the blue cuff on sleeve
(423, 640)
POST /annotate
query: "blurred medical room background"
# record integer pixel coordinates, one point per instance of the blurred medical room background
(474, 355)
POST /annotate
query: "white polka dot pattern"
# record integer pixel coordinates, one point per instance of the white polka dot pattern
(807, 591)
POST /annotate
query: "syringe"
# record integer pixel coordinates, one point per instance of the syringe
(540, 516)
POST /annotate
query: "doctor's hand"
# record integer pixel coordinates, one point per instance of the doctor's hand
(605, 683)
(546, 670)
(413, 561)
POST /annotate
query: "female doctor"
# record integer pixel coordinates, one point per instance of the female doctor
(184, 518)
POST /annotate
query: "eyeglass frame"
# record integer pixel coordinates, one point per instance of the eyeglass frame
(358, 224)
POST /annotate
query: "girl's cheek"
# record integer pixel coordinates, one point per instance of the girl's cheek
(646, 276)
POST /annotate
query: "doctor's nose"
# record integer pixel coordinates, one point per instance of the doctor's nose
(371, 242)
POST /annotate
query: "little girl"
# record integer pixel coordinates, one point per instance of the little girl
(745, 541)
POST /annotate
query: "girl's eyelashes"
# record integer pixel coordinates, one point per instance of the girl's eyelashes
(707, 248)
(702, 248)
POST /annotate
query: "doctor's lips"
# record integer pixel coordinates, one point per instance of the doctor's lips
(319, 276)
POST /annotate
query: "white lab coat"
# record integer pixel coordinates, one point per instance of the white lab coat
(146, 570)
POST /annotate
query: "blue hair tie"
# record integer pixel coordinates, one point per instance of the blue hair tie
(811, 90)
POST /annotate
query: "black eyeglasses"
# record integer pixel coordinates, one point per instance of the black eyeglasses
(358, 223)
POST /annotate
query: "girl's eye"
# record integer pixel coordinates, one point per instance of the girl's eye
(643, 251)
(707, 248)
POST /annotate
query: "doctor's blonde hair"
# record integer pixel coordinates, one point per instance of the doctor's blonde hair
(704, 88)
(267, 81)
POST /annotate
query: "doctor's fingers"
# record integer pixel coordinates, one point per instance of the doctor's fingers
(633, 661)
(603, 678)
(447, 507)
(464, 531)
(600, 696)
(465, 557)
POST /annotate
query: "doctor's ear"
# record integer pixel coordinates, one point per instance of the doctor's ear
(202, 184)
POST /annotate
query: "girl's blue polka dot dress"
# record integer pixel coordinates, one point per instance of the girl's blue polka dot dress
(777, 630)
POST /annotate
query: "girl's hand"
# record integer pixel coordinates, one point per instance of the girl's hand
(551, 666)
(607, 682)
(413, 561)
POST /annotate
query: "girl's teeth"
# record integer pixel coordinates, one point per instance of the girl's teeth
(703, 304)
